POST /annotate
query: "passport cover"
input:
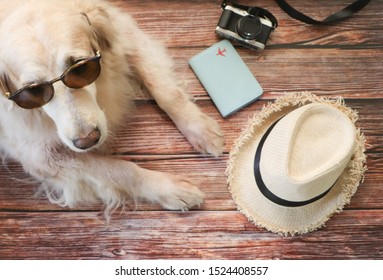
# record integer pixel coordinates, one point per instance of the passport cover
(226, 78)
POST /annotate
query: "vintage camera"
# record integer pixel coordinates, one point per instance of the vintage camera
(249, 26)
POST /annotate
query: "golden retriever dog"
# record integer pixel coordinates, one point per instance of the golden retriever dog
(69, 71)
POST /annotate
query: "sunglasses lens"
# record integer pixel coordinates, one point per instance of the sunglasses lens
(34, 96)
(83, 74)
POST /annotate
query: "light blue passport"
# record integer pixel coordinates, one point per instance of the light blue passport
(226, 78)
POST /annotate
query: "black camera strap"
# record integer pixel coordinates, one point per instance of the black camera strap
(255, 11)
(340, 15)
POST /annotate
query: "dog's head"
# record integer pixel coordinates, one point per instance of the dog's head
(39, 42)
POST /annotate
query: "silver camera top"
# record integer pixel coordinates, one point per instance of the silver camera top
(245, 13)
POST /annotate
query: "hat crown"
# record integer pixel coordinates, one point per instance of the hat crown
(306, 152)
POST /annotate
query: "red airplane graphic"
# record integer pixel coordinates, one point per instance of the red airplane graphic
(221, 52)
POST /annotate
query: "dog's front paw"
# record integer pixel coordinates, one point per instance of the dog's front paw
(204, 134)
(180, 194)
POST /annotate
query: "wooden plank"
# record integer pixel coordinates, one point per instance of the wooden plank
(183, 235)
(331, 72)
(192, 23)
(207, 173)
(141, 134)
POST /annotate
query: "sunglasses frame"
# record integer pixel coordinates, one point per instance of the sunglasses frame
(51, 82)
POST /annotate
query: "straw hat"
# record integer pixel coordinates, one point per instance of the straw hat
(299, 161)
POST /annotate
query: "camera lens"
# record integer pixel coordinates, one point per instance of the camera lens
(249, 27)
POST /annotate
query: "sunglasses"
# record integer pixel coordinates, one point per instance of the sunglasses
(82, 73)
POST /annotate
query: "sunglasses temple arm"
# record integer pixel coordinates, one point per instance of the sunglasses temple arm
(6, 92)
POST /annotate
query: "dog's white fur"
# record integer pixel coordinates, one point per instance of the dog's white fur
(38, 38)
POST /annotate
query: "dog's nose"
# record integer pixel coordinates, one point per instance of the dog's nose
(84, 143)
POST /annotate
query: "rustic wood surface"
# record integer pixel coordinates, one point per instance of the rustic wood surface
(345, 60)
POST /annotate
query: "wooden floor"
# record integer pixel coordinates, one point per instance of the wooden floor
(342, 60)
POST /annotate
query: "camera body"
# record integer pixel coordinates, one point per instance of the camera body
(245, 27)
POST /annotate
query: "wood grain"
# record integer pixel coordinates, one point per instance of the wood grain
(192, 23)
(183, 235)
(330, 72)
(345, 60)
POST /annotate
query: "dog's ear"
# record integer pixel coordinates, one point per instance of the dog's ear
(102, 30)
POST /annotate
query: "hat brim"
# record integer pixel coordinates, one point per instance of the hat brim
(274, 217)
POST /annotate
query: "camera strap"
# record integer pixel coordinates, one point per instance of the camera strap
(255, 11)
(340, 15)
